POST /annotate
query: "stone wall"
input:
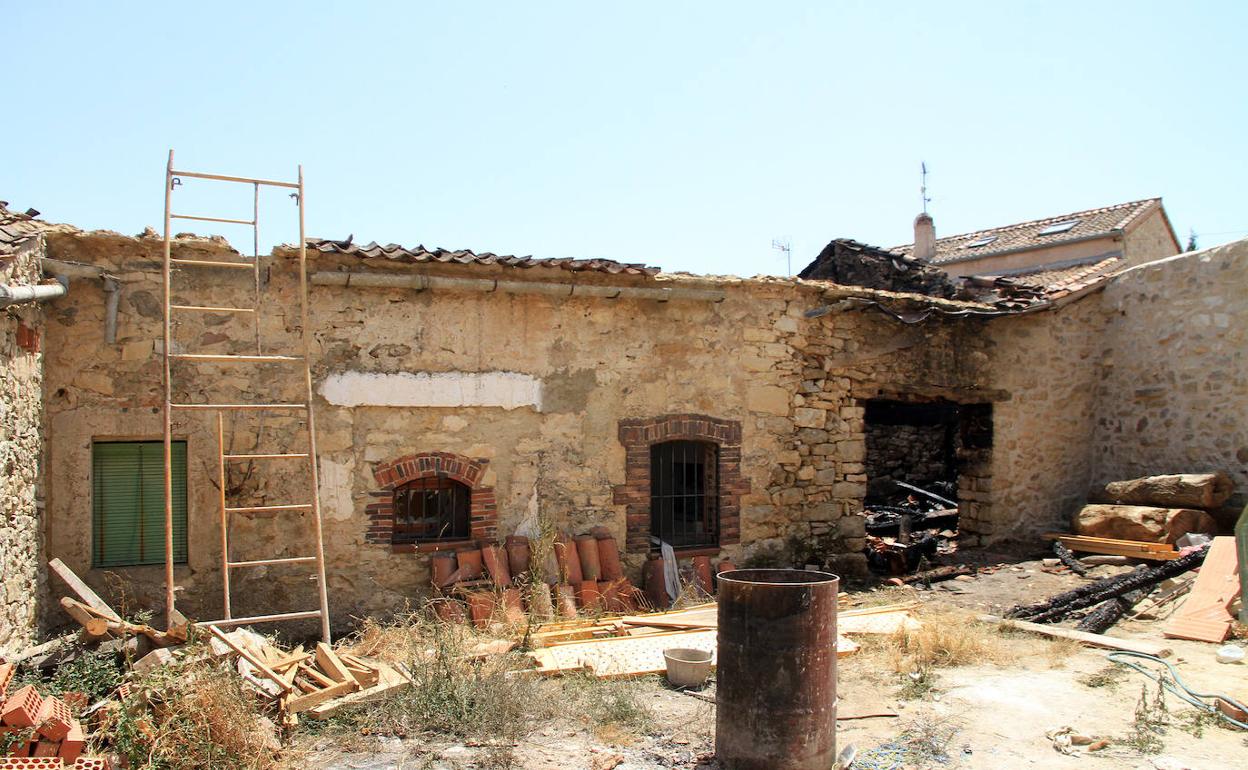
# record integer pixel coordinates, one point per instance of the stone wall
(914, 454)
(538, 392)
(21, 372)
(1173, 377)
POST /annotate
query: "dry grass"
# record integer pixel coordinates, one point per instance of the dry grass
(946, 638)
(194, 715)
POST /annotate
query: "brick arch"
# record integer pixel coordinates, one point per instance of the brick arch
(637, 435)
(392, 474)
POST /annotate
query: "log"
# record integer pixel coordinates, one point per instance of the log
(1110, 612)
(1181, 490)
(1143, 523)
(1066, 557)
(1092, 594)
(1096, 640)
(938, 574)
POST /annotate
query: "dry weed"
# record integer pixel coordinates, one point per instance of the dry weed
(945, 638)
(194, 715)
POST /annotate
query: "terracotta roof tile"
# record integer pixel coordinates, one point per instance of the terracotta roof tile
(1026, 235)
(420, 254)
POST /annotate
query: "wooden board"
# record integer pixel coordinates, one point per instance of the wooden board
(1144, 545)
(389, 682)
(1096, 640)
(1205, 615)
(883, 623)
(88, 597)
(633, 655)
(1132, 548)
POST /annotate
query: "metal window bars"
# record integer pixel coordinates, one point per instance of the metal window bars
(431, 509)
(173, 179)
(684, 493)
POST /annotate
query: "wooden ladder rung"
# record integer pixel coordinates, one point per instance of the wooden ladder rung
(209, 309)
(282, 456)
(210, 263)
(231, 358)
(239, 406)
(267, 508)
(262, 619)
(265, 562)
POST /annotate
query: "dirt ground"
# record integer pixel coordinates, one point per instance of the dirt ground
(994, 711)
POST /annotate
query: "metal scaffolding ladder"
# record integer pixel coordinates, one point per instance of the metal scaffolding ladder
(173, 179)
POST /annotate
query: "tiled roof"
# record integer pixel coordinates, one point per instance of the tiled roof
(16, 228)
(1026, 235)
(1043, 284)
(420, 254)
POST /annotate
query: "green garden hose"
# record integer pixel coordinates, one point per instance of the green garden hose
(1179, 688)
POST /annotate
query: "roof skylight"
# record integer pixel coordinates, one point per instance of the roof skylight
(984, 241)
(1059, 227)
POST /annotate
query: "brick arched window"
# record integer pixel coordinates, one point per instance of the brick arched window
(431, 500)
(682, 481)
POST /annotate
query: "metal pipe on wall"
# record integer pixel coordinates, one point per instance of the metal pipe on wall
(18, 295)
(776, 681)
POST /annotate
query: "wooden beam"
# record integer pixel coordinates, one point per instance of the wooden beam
(1096, 640)
(250, 658)
(84, 592)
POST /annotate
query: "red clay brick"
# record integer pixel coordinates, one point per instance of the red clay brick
(21, 709)
(6, 676)
(56, 723)
(92, 763)
(73, 744)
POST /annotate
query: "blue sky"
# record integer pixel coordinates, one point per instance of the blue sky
(687, 135)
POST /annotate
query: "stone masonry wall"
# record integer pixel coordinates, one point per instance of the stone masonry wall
(21, 443)
(1173, 385)
(911, 453)
(536, 390)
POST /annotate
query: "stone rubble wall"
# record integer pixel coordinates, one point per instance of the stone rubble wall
(1173, 384)
(914, 454)
(21, 443)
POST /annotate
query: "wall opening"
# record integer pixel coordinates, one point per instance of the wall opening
(940, 447)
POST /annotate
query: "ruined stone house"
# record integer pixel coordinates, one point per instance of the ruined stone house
(483, 393)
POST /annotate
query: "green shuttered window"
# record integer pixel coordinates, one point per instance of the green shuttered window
(128, 485)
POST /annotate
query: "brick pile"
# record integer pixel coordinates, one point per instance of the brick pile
(41, 732)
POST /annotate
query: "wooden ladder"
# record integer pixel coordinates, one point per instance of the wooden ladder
(311, 504)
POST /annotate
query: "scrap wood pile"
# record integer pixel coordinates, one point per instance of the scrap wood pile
(633, 645)
(319, 681)
(580, 575)
(1165, 522)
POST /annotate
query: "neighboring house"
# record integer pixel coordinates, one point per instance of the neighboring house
(1094, 242)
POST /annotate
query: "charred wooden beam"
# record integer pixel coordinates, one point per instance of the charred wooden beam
(1066, 557)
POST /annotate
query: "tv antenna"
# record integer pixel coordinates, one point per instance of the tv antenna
(923, 185)
(786, 247)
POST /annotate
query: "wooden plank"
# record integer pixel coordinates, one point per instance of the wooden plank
(883, 623)
(1205, 615)
(1096, 640)
(1128, 548)
(331, 664)
(250, 658)
(390, 681)
(308, 700)
(318, 677)
(84, 592)
(1144, 544)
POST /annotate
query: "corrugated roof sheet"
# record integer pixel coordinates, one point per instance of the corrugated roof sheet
(1026, 235)
(420, 254)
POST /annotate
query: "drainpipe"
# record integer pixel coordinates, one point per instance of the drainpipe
(18, 295)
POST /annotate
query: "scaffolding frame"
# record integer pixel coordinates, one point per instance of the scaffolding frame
(173, 179)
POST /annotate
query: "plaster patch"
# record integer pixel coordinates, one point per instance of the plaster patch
(509, 390)
(335, 492)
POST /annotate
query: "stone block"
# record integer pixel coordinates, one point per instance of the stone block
(806, 417)
(849, 489)
(768, 399)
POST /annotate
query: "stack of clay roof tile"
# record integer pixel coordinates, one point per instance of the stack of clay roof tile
(40, 732)
(497, 582)
(419, 255)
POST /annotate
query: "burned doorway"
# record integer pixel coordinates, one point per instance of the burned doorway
(922, 463)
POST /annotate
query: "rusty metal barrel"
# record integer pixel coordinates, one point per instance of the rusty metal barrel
(776, 681)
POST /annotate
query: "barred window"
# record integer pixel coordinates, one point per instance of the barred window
(431, 509)
(684, 493)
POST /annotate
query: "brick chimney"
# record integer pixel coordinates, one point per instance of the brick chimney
(924, 237)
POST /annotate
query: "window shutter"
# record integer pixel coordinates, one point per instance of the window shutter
(129, 503)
